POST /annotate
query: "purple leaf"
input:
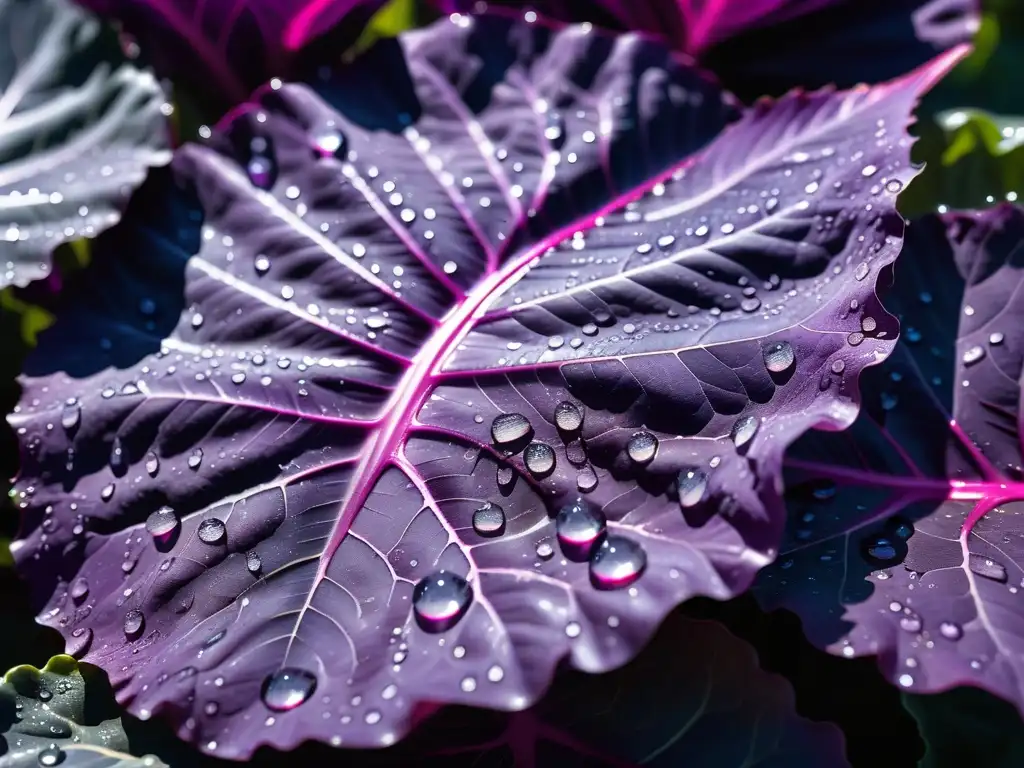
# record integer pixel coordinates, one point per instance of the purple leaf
(484, 370)
(222, 49)
(759, 47)
(911, 522)
(79, 128)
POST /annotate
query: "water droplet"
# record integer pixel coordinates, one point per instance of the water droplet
(554, 130)
(495, 674)
(586, 480)
(893, 186)
(642, 447)
(107, 492)
(951, 630)
(868, 324)
(693, 484)
(910, 623)
(861, 271)
(253, 561)
(838, 366)
(71, 415)
(79, 589)
(134, 622)
(880, 550)
(440, 600)
(330, 142)
(539, 458)
(211, 531)
(576, 453)
(996, 338)
(743, 431)
(869, 170)
(579, 527)
(215, 638)
(152, 464)
(51, 755)
(779, 356)
(906, 680)
(163, 525)
(504, 476)
(617, 562)
(261, 172)
(489, 520)
(855, 339)
(568, 416)
(973, 355)
(195, 458)
(544, 550)
(509, 428)
(988, 568)
(287, 688)
(261, 264)
(118, 463)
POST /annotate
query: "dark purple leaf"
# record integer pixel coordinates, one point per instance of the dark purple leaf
(906, 534)
(79, 128)
(759, 47)
(222, 49)
(62, 715)
(390, 305)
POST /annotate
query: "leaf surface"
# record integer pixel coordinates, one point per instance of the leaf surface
(79, 128)
(906, 537)
(488, 369)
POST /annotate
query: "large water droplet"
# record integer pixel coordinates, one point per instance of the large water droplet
(951, 630)
(509, 428)
(253, 561)
(779, 356)
(195, 458)
(880, 550)
(504, 476)
(539, 458)
(261, 172)
(642, 447)
(743, 431)
(152, 464)
(579, 528)
(568, 416)
(988, 568)
(489, 519)
(50, 756)
(71, 415)
(576, 453)
(554, 130)
(974, 355)
(211, 530)
(134, 622)
(693, 485)
(617, 562)
(586, 480)
(330, 141)
(440, 600)
(163, 525)
(287, 688)
(79, 589)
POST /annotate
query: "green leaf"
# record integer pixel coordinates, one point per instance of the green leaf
(61, 715)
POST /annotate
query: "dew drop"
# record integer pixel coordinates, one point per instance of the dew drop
(79, 589)
(440, 600)
(261, 264)
(987, 568)
(134, 622)
(579, 527)
(617, 562)
(287, 688)
(951, 630)
(211, 531)
(330, 142)
(568, 416)
(974, 355)
(869, 170)
(868, 324)
(554, 130)
(586, 480)
(539, 458)
(861, 271)
(504, 476)
(71, 415)
(509, 428)
(195, 458)
(51, 755)
(163, 524)
(743, 431)
(152, 464)
(910, 623)
(855, 339)
(544, 550)
(576, 453)
(893, 186)
(253, 561)
(489, 519)
(693, 485)
(107, 492)
(838, 366)
(880, 550)
(117, 457)
(779, 356)
(642, 447)
(996, 338)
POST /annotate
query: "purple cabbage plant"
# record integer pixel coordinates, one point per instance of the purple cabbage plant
(493, 342)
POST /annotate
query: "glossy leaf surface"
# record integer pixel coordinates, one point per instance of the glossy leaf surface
(905, 533)
(489, 369)
(79, 128)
